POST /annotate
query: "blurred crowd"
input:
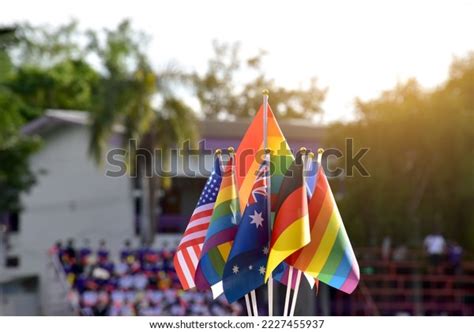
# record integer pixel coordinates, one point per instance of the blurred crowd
(438, 251)
(141, 281)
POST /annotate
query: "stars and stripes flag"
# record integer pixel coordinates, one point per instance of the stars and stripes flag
(221, 232)
(189, 250)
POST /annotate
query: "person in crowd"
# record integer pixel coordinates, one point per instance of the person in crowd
(70, 250)
(455, 253)
(85, 252)
(58, 250)
(435, 246)
(127, 254)
(101, 308)
(103, 252)
(142, 282)
(400, 253)
(386, 248)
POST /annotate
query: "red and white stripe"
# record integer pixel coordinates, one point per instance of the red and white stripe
(189, 249)
(260, 185)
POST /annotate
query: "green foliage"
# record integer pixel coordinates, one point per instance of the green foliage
(221, 97)
(15, 175)
(126, 89)
(420, 162)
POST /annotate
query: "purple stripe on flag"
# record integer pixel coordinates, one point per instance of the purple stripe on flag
(351, 282)
(219, 238)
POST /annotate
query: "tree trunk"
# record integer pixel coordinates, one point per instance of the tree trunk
(145, 206)
(153, 215)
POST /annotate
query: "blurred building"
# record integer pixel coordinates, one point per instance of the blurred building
(74, 199)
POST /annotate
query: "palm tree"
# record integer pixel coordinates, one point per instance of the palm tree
(125, 98)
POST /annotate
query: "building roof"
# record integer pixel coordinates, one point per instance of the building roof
(294, 130)
(54, 118)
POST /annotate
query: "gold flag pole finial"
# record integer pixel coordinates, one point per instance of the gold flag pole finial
(311, 155)
(303, 150)
(218, 151)
(231, 150)
(265, 92)
(320, 155)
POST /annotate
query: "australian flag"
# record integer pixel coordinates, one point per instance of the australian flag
(244, 270)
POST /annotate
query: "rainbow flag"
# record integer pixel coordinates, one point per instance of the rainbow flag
(329, 256)
(221, 232)
(249, 156)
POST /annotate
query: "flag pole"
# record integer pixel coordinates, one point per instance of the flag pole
(265, 94)
(295, 294)
(309, 156)
(288, 290)
(247, 304)
(253, 296)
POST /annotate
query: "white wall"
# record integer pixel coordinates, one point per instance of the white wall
(74, 199)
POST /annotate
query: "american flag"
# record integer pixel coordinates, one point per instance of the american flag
(189, 249)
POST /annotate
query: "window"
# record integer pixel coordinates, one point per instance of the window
(178, 203)
(12, 262)
(14, 222)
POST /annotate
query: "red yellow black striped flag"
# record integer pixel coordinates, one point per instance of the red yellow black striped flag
(291, 229)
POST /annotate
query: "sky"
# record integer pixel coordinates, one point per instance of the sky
(354, 48)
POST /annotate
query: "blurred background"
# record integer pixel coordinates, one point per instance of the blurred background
(80, 79)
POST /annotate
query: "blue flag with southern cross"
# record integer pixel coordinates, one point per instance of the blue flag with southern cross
(244, 270)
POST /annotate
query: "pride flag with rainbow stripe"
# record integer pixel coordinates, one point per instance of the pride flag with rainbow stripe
(221, 232)
(250, 155)
(329, 256)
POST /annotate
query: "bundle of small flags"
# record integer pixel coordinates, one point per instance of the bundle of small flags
(261, 214)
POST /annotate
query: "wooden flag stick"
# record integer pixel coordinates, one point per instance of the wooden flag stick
(295, 293)
(288, 290)
(253, 296)
(247, 304)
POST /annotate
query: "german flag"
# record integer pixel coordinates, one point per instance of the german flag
(291, 229)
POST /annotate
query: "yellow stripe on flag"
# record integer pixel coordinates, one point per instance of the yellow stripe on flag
(224, 249)
(325, 247)
(285, 245)
(226, 194)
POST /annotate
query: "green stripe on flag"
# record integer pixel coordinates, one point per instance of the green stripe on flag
(334, 258)
(217, 261)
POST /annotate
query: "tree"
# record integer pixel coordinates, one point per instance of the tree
(420, 162)
(15, 175)
(126, 93)
(221, 96)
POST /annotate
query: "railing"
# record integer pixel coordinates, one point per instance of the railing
(409, 287)
(64, 284)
